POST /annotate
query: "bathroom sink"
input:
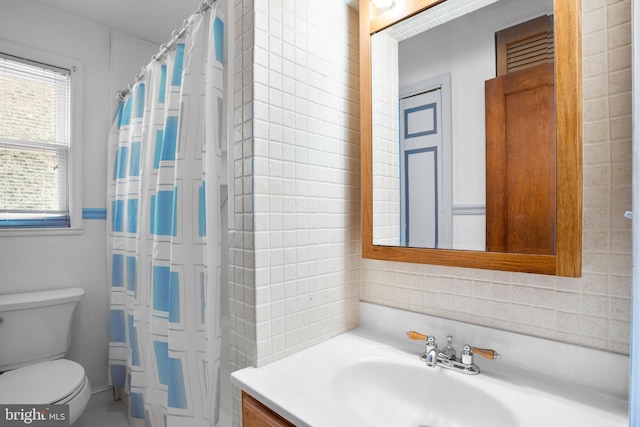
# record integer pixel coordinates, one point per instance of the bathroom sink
(385, 393)
(368, 377)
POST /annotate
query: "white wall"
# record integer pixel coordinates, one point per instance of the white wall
(110, 60)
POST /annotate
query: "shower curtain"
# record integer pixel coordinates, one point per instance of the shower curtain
(164, 233)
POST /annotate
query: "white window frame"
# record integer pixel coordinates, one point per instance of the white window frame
(75, 150)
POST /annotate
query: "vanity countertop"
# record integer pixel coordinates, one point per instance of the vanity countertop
(372, 376)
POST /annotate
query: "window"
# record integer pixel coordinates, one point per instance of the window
(36, 186)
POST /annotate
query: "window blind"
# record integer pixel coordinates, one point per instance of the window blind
(35, 142)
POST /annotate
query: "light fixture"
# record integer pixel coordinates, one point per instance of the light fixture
(383, 4)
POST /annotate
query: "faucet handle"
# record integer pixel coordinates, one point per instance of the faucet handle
(486, 353)
(466, 356)
(413, 335)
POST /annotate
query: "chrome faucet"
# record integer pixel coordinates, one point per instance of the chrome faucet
(446, 358)
(448, 353)
(431, 352)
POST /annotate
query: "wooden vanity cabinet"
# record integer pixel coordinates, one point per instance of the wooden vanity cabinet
(255, 414)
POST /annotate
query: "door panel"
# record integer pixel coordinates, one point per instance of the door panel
(521, 145)
(421, 202)
(421, 170)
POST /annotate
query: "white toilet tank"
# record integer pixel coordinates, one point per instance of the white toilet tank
(36, 326)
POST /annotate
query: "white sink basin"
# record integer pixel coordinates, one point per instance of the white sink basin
(370, 377)
(392, 394)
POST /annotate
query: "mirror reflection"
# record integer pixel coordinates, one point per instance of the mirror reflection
(463, 128)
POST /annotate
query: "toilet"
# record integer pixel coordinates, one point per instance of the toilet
(35, 332)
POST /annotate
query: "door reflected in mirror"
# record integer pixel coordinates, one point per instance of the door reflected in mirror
(461, 99)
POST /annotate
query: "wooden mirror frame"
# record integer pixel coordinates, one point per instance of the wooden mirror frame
(567, 260)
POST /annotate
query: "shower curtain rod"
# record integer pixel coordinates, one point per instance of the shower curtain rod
(166, 47)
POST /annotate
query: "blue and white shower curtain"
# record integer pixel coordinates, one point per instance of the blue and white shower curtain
(164, 240)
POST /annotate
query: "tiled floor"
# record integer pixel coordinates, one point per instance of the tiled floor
(111, 415)
(114, 414)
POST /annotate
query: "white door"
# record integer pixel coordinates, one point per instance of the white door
(421, 169)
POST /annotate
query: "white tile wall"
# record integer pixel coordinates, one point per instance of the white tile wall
(296, 239)
(593, 310)
(296, 236)
(241, 236)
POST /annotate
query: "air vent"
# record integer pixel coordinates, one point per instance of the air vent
(533, 51)
(524, 45)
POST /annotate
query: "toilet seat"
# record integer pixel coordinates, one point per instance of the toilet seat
(56, 381)
(67, 400)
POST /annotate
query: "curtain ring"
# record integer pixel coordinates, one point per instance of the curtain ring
(160, 55)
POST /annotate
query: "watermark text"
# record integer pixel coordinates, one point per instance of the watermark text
(34, 415)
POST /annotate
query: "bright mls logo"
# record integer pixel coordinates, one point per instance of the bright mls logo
(34, 415)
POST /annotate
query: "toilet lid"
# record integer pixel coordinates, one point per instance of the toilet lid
(42, 383)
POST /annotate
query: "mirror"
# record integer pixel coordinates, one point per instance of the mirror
(428, 80)
(428, 69)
